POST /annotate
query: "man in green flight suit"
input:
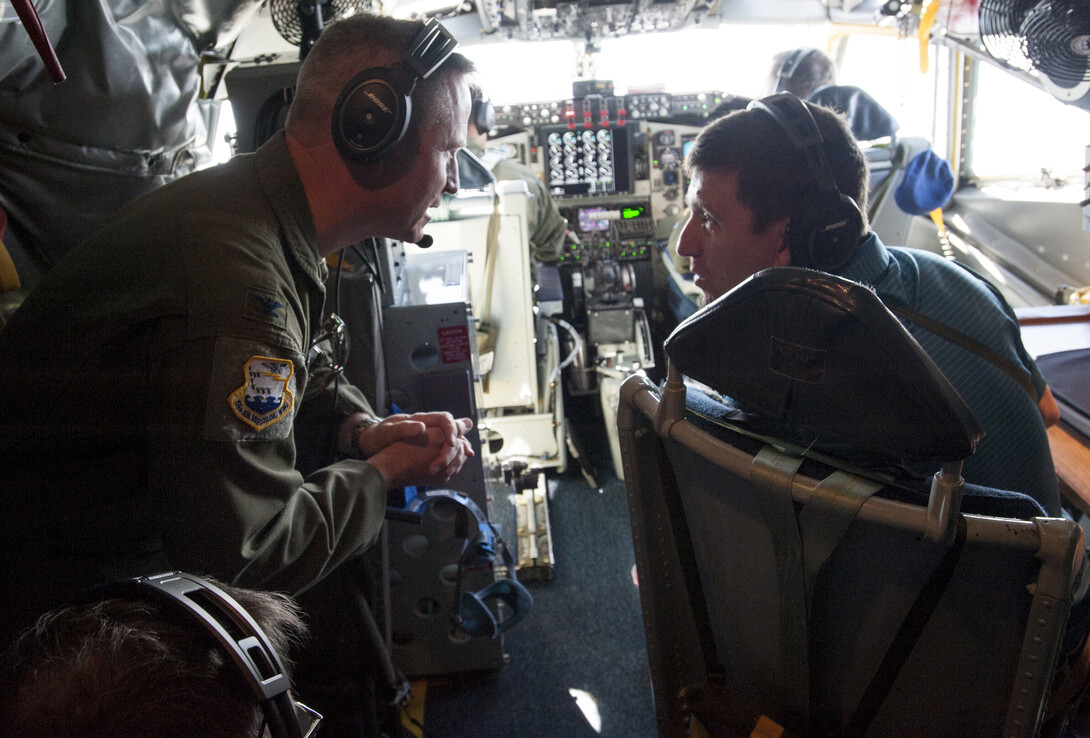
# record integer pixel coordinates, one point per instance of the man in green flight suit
(159, 382)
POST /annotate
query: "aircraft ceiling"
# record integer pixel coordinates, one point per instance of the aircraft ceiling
(489, 21)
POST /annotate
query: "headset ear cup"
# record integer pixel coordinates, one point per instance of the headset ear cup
(484, 115)
(474, 617)
(371, 115)
(824, 230)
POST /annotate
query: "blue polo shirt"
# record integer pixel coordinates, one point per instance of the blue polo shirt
(1014, 453)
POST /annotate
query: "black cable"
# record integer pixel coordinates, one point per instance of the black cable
(340, 360)
(372, 266)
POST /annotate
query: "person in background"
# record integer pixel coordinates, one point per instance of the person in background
(756, 202)
(801, 71)
(547, 225)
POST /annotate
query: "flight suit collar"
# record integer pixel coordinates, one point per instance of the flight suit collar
(281, 184)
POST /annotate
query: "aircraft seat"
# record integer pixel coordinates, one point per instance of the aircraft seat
(788, 574)
(887, 155)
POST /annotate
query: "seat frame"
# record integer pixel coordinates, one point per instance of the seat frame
(681, 643)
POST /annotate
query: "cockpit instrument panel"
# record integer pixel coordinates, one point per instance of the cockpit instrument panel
(588, 161)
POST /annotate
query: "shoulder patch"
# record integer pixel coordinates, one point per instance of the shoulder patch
(266, 307)
(264, 399)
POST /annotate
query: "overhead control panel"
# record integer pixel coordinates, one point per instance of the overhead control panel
(693, 106)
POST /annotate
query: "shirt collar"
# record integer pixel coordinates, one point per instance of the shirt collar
(869, 260)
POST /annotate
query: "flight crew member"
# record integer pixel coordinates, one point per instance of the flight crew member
(750, 188)
(125, 663)
(547, 225)
(157, 386)
(801, 71)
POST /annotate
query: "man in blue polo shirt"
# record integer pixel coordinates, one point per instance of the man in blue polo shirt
(784, 182)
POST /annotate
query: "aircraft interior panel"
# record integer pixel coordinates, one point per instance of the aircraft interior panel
(512, 379)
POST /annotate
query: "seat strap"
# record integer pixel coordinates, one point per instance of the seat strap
(825, 519)
(968, 343)
(772, 472)
(803, 543)
(905, 638)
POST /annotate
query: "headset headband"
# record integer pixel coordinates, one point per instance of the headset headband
(798, 123)
(826, 224)
(233, 628)
(431, 47)
(791, 65)
(373, 110)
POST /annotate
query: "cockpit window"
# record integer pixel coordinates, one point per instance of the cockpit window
(1024, 134)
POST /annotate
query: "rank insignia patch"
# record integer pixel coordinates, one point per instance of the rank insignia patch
(266, 307)
(265, 398)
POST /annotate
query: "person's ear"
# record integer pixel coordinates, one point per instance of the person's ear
(783, 254)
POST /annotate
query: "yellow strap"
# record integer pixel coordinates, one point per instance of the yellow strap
(412, 718)
(926, 22)
(766, 728)
(9, 278)
(937, 219)
(697, 729)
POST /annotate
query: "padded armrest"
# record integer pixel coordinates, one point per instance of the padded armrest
(821, 355)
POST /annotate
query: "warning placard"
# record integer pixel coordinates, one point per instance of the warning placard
(454, 344)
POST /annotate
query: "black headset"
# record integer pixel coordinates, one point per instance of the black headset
(826, 225)
(790, 65)
(373, 110)
(237, 633)
(483, 114)
(482, 547)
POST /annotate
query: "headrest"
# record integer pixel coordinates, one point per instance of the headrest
(927, 184)
(867, 119)
(821, 358)
(473, 174)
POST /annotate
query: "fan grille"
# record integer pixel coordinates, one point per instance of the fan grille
(1056, 37)
(1000, 26)
(285, 15)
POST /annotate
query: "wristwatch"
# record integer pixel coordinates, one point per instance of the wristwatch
(357, 431)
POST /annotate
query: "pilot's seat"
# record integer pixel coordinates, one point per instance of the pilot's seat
(888, 155)
(790, 573)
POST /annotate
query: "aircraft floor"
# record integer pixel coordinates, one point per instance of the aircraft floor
(578, 664)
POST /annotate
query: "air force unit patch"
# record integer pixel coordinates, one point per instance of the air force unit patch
(265, 398)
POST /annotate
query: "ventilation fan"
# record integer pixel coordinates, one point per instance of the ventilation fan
(1051, 37)
(1000, 27)
(298, 20)
(1057, 41)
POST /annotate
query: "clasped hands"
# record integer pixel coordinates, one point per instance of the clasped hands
(422, 448)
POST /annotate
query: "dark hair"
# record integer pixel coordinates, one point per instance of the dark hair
(801, 71)
(773, 176)
(346, 48)
(129, 666)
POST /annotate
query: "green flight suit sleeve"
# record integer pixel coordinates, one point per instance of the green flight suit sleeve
(222, 457)
(547, 225)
